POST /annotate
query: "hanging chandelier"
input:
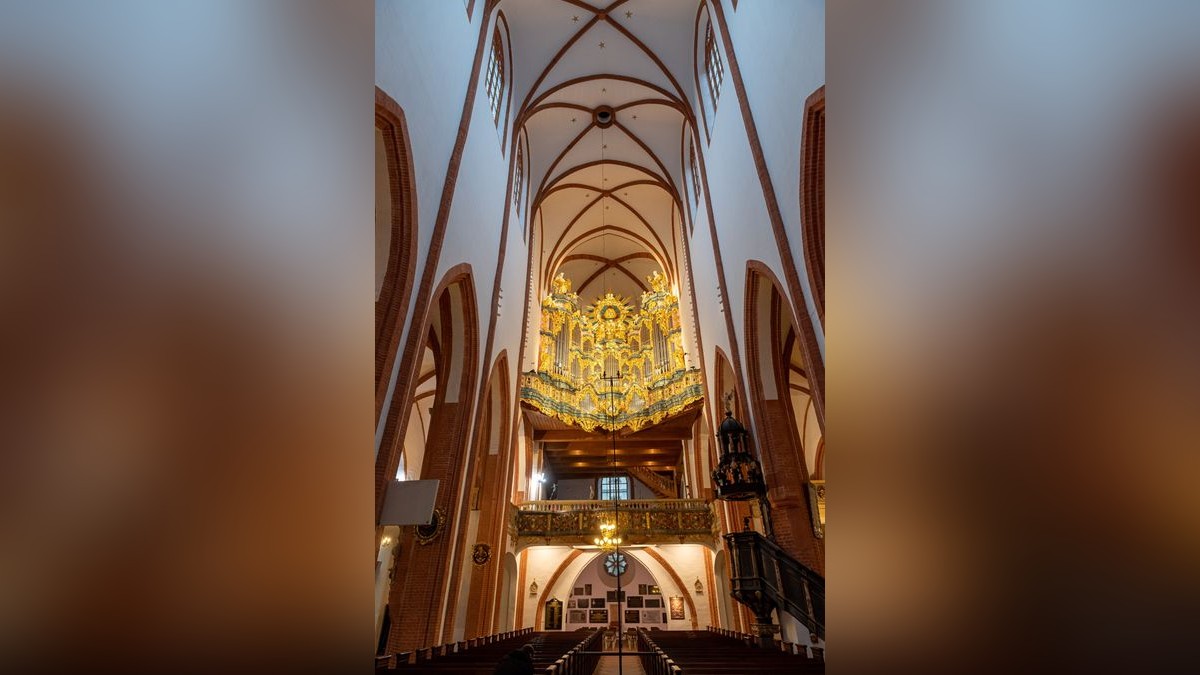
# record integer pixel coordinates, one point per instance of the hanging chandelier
(608, 539)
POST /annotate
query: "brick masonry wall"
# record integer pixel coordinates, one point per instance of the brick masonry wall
(422, 571)
(786, 477)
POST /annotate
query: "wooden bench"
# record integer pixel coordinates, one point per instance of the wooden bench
(716, 653)
(480, 655)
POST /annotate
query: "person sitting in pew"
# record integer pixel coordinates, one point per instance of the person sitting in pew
(517, 662)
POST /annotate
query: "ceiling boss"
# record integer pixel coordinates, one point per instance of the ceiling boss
(580, 347)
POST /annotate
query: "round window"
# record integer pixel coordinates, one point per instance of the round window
(615, 563)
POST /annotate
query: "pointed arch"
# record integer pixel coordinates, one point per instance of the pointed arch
(395, 224)
(726, 381)
(769, 319)
(812, 196)
(540, 608)
(419, 587)
(670, 570)
(536, 104)
(482, 508)
(506, 611)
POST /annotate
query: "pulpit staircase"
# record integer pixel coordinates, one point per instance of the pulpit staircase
(764, 578)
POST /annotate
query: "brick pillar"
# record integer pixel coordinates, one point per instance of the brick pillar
(786, 476)
(422, 571)
(484, 592)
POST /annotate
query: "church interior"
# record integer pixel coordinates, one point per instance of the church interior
(601, 376)
(599, 363)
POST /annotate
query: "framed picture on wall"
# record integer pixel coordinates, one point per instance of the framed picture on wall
(597, 603)
(654, 590)
(635, 602)
(587, 589)
(677, 607)
(643, 589)
(650, 615)
(578, 590)
(598, 616)
(653, 602)
(615, 596)
(577, 616)
(633, 616)
(554, 614)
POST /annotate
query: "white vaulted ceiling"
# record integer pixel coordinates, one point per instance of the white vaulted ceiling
(608, 196)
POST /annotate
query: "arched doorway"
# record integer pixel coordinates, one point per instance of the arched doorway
(721, 573)
(508, 593)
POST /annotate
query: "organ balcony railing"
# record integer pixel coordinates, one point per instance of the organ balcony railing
(640, 521)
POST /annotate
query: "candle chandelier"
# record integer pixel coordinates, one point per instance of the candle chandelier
(608, 539)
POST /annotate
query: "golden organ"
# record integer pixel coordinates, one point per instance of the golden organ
(580, 348)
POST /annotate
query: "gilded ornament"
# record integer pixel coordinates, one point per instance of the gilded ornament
(581, 348)
(427, 533)
(561, 284)
(481, 554)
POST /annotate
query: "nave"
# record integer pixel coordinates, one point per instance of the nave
(600, 329)
(592, 652)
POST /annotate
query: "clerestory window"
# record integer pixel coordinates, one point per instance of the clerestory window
(713, 66)
(494, 81)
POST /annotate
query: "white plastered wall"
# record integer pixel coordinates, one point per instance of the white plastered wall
(540, 563)
(426, 72)
(769, 37)
(687, 560)
(773, 37)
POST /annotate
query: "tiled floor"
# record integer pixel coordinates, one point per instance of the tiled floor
(608, 666)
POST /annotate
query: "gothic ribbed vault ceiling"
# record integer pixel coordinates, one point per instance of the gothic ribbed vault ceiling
(604, 199)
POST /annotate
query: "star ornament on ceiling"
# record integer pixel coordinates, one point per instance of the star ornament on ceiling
(575, 19)
(628, 15)
(601, 45)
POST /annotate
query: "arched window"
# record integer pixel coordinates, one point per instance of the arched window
(695, 173)
(713, 66)
(520, 177)
(495, 76)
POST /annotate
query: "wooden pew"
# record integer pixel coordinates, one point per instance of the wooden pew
(480, 656)
(716, 653)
